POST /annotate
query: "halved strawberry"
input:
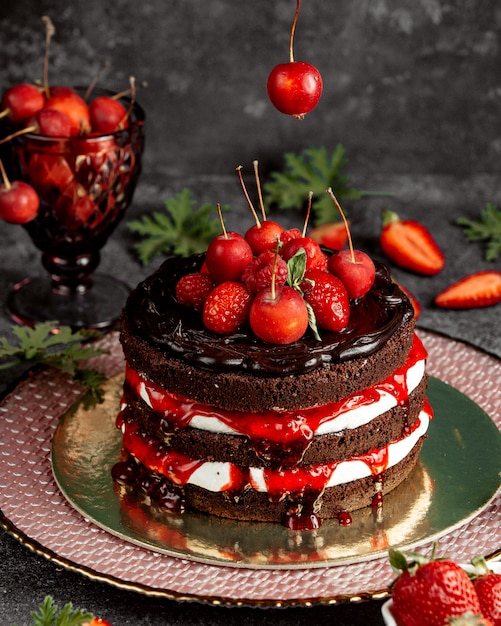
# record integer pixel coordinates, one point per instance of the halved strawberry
(476, 290)
(332, 235)
(410, 245)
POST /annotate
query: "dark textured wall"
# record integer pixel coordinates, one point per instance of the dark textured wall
(412, 86)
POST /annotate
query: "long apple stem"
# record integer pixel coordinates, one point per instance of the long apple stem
(251, 206)
(259, 192)
(293, 28)
(343, 217)
(5, 178)
(220, 213)
(308, 211)
(49, 32)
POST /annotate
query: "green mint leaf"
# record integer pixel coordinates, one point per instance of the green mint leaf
(182, 229)
(313, 170)
(296, 267)
(486, 228)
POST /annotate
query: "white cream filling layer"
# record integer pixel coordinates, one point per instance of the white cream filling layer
(352, 418)
(216, 476)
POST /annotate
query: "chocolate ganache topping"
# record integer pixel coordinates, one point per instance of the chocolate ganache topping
(153, 311)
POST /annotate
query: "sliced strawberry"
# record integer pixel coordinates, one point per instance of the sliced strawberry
(409, 244)
(476, 290)
(332, 235)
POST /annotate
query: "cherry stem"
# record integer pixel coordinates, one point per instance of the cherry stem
(93, 83)
(343, 217)
(239, 170)
(49, 32)
(308, 211)
(5, 178)
(273, 274)
(259, 192)
(220, 213)
(23, 131)
(4, 113)
(293, 28)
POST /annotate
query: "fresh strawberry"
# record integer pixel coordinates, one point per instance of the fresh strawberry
(469, 619)
(476, 290)
(488, 587)
(416, 305)
(328, 298)
(193, 289)
(227, 307)
(332, 235)
(429, 591)
(409, 244)
(258, 273)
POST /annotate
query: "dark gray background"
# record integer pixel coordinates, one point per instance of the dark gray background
(412, 89)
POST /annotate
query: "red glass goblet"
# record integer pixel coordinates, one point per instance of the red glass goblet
(85, 184)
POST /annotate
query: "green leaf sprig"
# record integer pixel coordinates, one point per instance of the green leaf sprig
(63, 350)
(182, 229)
(48, 614)
(296, 268)
(312, 170)
(486, 228)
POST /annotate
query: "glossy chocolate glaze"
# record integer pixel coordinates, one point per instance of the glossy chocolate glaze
(153, 312)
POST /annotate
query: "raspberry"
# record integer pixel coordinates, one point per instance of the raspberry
(193, 289)
(258, 273)
(328, 298)
(227, 307)
(291, 233)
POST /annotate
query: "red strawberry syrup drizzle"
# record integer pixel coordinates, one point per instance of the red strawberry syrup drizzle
(274, 435)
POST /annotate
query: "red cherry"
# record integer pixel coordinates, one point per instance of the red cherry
(227, 256)
(19, 202)
(263, 236)
(107, 115)
(355, 269)
(75, 108)
(315, 258)
(294, 88)
(328, 298)
(279, 315)
(21, 101)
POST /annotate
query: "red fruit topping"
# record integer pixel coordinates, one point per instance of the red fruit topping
(355, 269)
(97, 621)
(279, 315)
(428, 592)
(263, 236)
(19, 202)
(52, 123)
(332, 235)
(192, 290)
(227, 256)
(107, 115)
(294, 88)
(328, 298)
(21, 101)
(291, 233)
(75, 108)
(315, 258)
(226, 308)
(476, 290)
(259, 272)
(410, 245)
(488, 587)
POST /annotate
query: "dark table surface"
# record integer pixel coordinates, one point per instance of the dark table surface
(26, 577)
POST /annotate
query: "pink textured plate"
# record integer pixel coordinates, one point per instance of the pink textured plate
(36, 512)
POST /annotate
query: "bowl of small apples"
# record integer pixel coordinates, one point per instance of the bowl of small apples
(75, 158)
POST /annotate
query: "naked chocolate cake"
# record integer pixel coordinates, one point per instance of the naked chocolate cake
(218, 416)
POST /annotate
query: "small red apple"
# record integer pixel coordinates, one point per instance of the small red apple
(278, 315)
(355, 269)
